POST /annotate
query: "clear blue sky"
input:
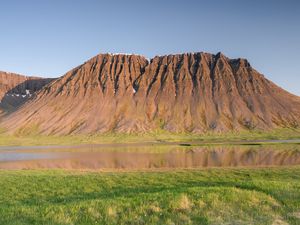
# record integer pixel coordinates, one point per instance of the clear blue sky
(49, 37)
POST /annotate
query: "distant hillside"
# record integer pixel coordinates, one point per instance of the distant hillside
(16, 89)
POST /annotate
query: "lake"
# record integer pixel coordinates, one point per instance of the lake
(151, 156)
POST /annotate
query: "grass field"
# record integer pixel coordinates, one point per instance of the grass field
(29, 139)
(212, 196)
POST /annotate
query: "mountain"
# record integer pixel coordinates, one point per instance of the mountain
(16, 89)
(194, 92)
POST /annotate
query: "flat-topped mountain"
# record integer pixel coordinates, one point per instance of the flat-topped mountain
(194, 92)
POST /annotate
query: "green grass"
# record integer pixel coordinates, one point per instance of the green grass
(29, 139)
(213, 196)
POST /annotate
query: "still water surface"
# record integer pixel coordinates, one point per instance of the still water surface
(149, 157)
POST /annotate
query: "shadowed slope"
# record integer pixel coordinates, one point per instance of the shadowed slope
(16, 89)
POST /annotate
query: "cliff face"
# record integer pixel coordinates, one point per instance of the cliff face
(16, 89)
(196, 92)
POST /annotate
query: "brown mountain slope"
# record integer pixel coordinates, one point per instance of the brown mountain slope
(196, 92)
(16, 89)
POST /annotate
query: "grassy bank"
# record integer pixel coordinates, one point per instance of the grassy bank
(215, 196)
(158, 136)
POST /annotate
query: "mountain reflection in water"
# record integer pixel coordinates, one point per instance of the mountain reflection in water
(151, 157)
